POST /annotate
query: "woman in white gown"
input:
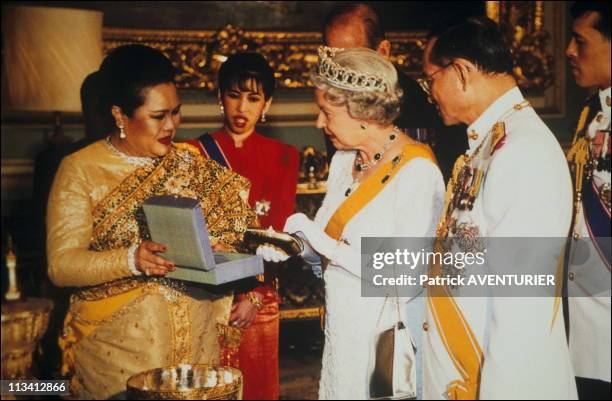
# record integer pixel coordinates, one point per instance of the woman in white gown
(381, 184)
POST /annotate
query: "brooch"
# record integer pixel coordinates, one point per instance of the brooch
(262, 207)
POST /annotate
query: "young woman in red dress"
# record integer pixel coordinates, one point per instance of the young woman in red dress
(246, 84)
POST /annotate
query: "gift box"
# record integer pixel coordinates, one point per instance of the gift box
(179, 224)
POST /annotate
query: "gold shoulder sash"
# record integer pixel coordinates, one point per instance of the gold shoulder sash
(372, 187)
(458, 338)
(183, 171)
(455, 333)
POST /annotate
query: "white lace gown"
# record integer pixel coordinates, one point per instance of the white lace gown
(409, 206)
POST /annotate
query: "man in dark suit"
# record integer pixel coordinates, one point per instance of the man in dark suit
(359, 25)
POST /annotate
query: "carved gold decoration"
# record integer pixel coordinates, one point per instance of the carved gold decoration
(198, 54)
(523, 23)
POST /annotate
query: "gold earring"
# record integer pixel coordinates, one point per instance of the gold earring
(122, 132)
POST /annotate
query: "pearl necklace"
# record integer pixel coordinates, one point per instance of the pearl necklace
(139, 161)
(363, 167)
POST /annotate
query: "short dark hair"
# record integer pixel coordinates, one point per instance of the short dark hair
(369, 17)
(579, 8)
(476, 39)
(127, 73)
(241, 68)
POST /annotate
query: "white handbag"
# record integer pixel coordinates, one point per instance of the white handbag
(394, 373)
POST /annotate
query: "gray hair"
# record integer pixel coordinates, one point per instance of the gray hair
(379, 106)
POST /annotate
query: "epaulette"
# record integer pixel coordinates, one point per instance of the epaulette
(498, 136)
(586, 115)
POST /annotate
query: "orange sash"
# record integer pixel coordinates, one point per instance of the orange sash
(457, 337)
(372, 187)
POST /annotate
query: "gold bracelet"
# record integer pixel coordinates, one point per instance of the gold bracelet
(254, 300)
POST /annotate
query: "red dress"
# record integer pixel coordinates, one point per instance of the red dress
(272, 168)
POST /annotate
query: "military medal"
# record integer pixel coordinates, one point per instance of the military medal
(467, 238)
(462, 191)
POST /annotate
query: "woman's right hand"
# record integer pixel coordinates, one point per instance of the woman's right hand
(149, 263)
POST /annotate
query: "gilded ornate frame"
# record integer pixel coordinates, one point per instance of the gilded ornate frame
(534, 28)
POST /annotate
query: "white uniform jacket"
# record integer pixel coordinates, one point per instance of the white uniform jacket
(526, 192)
(589, 300)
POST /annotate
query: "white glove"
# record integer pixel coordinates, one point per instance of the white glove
(339, 253)
(271, 253)
(321, 242)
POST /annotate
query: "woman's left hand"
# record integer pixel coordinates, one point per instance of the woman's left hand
(244, 313)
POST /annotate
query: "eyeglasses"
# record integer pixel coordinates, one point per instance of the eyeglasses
(427, 80)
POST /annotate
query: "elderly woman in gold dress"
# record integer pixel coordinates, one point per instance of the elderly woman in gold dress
(125, 317)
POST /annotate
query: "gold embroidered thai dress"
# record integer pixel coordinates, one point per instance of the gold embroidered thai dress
(119, 323)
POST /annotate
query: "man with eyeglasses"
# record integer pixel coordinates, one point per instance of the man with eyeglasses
(359, 25)
(513, 182)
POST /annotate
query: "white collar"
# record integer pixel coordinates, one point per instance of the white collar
(605, 105)
(480, 128)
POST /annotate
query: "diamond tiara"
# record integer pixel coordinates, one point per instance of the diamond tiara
(343, 77)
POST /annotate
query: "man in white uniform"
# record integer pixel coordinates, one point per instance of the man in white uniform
(589, 257)
(512, 182)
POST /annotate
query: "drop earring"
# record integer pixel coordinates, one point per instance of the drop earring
(263, 117)
(221, 110)
(122, 132)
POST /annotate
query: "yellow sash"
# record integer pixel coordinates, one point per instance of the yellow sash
(457, 336)
(372, 186)
(80, 324)
(458, 339)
